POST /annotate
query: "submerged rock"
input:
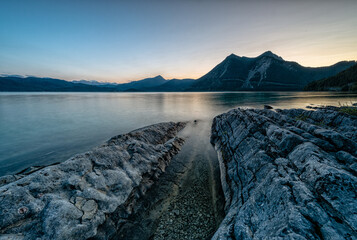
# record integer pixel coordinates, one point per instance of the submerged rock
(287, 174)
(268, 107)
(90, 195)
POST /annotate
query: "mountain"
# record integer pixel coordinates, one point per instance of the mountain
(343, 81)
(173, 85)
(35, 84)
(144, 85)
(134, 86)
(267, 72)
(141, 84)
(96, 83)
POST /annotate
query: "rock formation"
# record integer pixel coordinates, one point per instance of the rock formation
(287, 174)
(90, 195)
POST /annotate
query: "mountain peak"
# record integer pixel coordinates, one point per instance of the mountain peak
(268, 54)
(271, 55)
(159, 77)
(232, 56)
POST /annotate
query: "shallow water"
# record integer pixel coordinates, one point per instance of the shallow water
(187, 201)
(43, 128)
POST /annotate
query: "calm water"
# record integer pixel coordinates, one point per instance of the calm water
(42, 128)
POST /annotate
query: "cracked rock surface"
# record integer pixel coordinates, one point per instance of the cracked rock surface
(287, 174)
(90, 195)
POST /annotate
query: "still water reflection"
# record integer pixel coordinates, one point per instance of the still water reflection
(42, 128)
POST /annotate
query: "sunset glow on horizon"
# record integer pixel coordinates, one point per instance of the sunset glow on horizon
(121, 41)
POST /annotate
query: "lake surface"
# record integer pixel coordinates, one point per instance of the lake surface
(43, 128)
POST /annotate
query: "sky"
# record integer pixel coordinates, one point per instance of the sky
(121, 41)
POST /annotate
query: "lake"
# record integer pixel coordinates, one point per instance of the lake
(43, 128)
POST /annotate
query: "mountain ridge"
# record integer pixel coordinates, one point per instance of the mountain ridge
(343, 81)
(266, 72)
(37, 84)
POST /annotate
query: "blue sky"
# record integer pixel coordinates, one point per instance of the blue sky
(120, 41)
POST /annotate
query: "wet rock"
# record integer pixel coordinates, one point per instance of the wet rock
(176, 212)
(91, 194)
(287, 174)
(268, 107)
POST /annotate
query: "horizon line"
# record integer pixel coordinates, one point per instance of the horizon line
(161, 75)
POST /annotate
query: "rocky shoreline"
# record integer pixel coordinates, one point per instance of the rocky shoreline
(287, 174)
(280, 174)
(90, 195)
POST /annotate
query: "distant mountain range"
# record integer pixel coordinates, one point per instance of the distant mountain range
(95, 83)
(267, 72)
(343, 81)
(142, 84)
(35, 84)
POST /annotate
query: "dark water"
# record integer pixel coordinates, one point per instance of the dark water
(42, 128)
